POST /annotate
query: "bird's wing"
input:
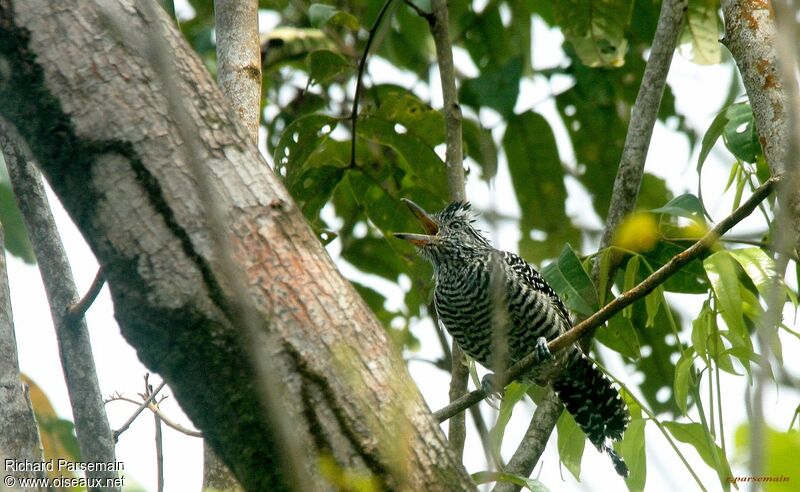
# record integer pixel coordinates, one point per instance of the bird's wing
(524, 271)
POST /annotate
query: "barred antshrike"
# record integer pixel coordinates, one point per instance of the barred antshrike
(499, 309)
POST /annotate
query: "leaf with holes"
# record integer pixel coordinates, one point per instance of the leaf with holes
(299, 141)
(596, 29)
(740, 133)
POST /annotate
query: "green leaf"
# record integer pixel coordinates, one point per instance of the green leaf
(514, 392)
(620, 335)
(537, 176)
(683, 371)
(694, 435)
(423, 168)
(686, 205)
(634, 453)
(479, 144)
(491, 476)
(701, 32)
(417, 117)
(740, 133)
(571, 443)
(14, 231)
(324, 65)
(690, 279)
(713, 132)
(567, 277)
(596, 29)
(487, 40)
(319, 15)
(299, 141)
(496, 89)
(723, 275)
(760, 267)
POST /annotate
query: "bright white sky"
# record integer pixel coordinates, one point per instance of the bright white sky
(699, 92)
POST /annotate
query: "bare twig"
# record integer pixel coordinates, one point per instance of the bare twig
(138, 411)
(639, 291)
(91, 423)
(156, 409)
(359, 78)
(78, 310)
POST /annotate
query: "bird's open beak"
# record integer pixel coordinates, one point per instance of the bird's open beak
(428, 224)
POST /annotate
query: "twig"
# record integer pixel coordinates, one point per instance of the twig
(156, 409)
(91, 423)
(78, 310)
(138, 411)
(159, 449)
(639, 291)
(361, 65)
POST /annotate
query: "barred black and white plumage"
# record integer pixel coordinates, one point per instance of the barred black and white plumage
(473, 279)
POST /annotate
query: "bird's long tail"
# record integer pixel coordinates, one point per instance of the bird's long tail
(595, 404)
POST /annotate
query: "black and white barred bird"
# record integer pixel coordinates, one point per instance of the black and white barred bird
(473, 279)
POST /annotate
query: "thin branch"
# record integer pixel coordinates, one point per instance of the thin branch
(138, 411)
(454, 163)
(78, 310)
(639, 291)
(156, 409)
(91, 423)
(361, 66)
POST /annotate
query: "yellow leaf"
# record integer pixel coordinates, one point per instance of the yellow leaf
(638, 233)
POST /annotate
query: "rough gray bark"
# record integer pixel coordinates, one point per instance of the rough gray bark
(74, 348)
(239, 58)
(19, 436)
(239, 77)
(90, 104)
(750, 35)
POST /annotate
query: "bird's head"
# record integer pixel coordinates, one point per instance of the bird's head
(448, 234)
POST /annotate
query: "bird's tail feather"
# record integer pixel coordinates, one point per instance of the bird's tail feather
(595, 404)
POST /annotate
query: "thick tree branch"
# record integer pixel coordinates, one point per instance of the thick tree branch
(751, 36)
(625, 299)
(239, 59)
(126, 180)
(19, 435)
(239, 77)
(91, 423)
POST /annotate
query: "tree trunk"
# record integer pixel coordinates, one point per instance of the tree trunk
(77, 81)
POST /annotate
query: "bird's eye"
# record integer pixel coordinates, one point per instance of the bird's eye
(456, 225)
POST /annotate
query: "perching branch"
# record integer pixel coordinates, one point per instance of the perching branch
(91, 423)
(625, 299)
(138, 411)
